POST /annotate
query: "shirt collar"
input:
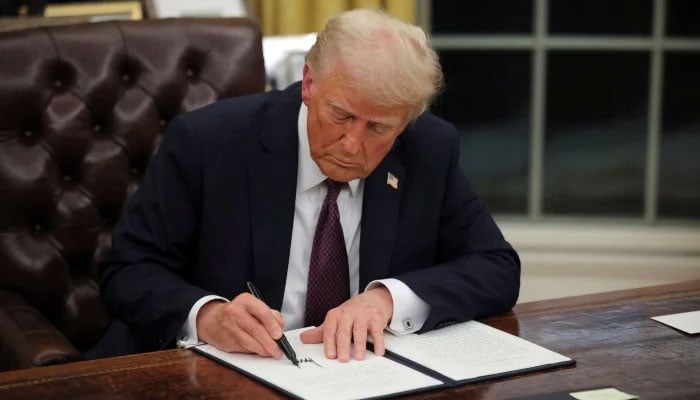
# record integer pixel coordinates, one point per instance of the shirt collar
(309, 175)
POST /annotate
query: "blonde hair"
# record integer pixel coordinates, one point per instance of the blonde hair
(387, 60)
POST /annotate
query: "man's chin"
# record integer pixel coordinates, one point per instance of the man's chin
(341, 177)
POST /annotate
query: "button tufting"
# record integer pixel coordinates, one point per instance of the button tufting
(58, 83)
(38, 227)
(97, 128)
(162, 122)
(190, 73)
(28, 133)
(135, 171)
(126, 77)
(67, 178)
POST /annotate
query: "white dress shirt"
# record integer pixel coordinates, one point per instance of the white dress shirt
(410, 311)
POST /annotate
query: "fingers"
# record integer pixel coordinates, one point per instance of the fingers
(312, 336)
(344, 331)
(245, 324)
(359, 334)
(336, 333)
(347, 327)
(264, 316)
(344, 335)
(258, 329)
(376, 332)
(278, 317)
(330, 329)
(249, 344)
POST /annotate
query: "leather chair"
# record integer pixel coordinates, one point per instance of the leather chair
(82, 110)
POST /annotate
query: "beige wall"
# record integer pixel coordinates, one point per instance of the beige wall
(565, 260)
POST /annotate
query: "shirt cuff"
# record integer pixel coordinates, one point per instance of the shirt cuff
(410, 311)
(188, 333)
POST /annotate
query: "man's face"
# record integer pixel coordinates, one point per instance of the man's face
(348, 137)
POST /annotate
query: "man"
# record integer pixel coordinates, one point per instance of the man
(236, 190)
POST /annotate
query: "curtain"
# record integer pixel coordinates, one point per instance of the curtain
(282, 17)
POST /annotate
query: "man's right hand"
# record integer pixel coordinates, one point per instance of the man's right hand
(244, 325)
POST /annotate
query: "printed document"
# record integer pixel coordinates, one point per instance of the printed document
(455, 355)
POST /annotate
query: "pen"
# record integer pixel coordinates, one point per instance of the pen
(281, 342)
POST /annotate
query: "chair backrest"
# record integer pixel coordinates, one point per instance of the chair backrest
(82, 110)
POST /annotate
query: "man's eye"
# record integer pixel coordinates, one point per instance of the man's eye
(341, 118)
(379, 129)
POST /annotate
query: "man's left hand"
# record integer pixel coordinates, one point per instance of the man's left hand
(366, 314)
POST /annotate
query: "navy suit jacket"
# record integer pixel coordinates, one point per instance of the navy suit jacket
(216, 207)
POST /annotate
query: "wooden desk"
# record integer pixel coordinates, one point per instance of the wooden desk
(610, 335)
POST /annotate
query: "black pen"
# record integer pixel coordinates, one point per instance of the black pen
(281, 342)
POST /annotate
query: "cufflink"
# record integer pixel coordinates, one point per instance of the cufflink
(407, 324)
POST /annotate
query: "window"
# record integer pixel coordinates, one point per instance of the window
(450, 17)
(679, 173)
(596, 126)
(488, 99)
(583, 108)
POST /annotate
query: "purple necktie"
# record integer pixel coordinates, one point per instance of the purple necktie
(329, 281)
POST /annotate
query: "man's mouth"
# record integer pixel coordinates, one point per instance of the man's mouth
(342, 163)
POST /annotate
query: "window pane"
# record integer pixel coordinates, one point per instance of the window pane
(683, 18)
(488, 100)
(679, 172)
(596, 133)
(493, 16)
(627, 17)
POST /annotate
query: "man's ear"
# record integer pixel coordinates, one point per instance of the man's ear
(306, 83)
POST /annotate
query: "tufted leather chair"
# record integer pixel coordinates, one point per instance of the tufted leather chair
(82, 109)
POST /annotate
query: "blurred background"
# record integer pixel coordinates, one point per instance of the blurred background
(579, 119)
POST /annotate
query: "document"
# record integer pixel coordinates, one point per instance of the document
(454, 355)
(609, 393)
(688, 322)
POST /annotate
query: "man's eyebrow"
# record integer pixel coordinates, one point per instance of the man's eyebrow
(342, 110)
(379, 124)
(336, 107)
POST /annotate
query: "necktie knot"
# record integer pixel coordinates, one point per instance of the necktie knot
(334, 188)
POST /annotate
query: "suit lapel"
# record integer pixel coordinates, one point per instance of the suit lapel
(272, 183)
(380, 213)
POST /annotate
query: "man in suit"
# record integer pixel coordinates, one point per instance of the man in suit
(236, 189)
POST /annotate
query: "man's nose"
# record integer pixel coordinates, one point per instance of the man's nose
(352, 138)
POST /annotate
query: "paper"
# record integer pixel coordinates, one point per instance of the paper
(688, 322)
(461, 353)
(602, 394)
(470, 350)
(330, 379)
(588, 394)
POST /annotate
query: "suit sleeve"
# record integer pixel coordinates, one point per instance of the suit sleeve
(477, 272)
(142, 276)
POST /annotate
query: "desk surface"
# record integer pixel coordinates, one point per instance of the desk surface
(611, 336)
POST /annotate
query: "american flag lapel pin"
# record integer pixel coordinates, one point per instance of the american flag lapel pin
(392, 181)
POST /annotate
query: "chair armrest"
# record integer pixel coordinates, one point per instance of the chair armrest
(27, 339)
